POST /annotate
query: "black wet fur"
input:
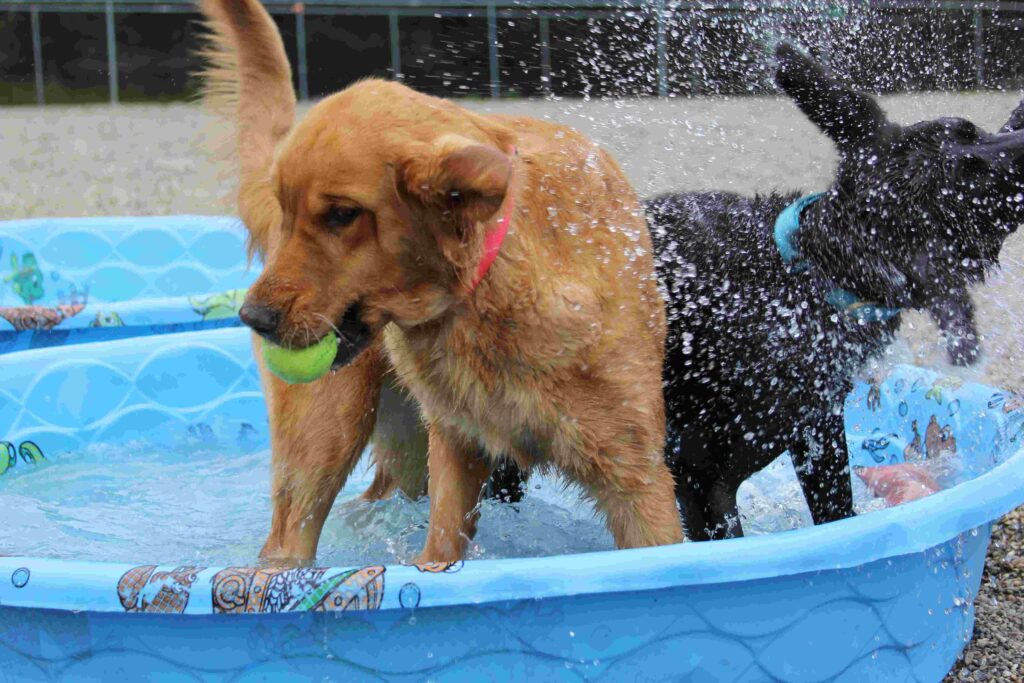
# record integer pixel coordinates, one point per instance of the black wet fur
(757, 361)
(506, 483)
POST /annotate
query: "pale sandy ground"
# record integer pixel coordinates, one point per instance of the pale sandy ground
(149, 159)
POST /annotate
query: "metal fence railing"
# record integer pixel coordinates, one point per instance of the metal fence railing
(68, 50)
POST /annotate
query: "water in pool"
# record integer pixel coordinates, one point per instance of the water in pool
(212, 507)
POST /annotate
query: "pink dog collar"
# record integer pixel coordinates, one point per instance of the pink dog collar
(494, 239)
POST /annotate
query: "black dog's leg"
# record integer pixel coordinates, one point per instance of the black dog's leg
(708, 507)
(692, 507)
(506, 482)
(707, 503)
(823, 468)
(955, 317)
(722, 515)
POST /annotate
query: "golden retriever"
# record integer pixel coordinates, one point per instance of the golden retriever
(500, 267)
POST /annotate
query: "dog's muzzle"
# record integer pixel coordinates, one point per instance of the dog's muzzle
(353, 336)
(1002, 151)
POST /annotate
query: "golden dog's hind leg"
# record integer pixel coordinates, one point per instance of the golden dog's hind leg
(399, 445)
(457, 477)
(620, 464)
(638, 515)
(318, 431)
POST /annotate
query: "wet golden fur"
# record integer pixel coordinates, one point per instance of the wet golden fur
(554, 359)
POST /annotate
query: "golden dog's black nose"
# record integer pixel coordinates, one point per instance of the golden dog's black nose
(262, 319)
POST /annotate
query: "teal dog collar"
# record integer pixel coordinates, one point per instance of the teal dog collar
(786, 226)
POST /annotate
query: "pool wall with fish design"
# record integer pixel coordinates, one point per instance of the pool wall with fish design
(79, 280)
(884, 596)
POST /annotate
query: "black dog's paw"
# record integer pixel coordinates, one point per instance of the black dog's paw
(506, 483)
(963, 351)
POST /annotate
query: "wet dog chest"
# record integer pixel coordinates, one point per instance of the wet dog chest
(456, 391)
(502, 418)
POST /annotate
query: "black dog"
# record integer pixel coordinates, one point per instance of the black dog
(773, 310)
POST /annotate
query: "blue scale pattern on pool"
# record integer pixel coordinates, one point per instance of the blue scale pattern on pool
(211, 506)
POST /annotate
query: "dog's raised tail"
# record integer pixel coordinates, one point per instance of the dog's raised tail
(247, 81)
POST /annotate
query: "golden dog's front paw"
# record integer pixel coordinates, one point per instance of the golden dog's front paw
(284, 561)
(273, 555)
(435, 556)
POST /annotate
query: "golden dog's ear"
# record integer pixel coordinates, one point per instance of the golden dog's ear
(461, 178)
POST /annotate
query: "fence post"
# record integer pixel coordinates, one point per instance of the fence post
(492, 49)
(695, 52)
(826, 37)
(979, 48)
(37, 54)
(111, 53)
(396, 50)
(545, 53)
(662, 56)
(300, 49)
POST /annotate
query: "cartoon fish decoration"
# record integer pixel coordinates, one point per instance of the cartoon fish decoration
(38, 317)
(31, 454)
(144, 589)
(1010, 401)
(218, 306)
(874, 397)
(935, 393)
(26, 279)
(238, 590)
(107, 319)
(8, 456)
(913, 451)
(938, 439)
(876, 445)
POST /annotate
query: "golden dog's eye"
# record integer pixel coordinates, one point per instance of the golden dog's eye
(341, 216)
(455, 200)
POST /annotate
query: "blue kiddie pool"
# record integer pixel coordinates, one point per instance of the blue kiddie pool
(67, 281)
(89, 589)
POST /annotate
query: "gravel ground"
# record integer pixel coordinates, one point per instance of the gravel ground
(997, 653)
(149, 159)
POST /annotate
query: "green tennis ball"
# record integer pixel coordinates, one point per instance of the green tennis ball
(298, 366)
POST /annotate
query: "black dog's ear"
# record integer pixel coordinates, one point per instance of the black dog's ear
(1016, 120)
(848, 117)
